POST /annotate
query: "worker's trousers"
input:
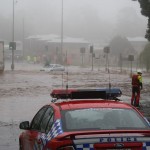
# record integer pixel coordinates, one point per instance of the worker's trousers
(135, 96)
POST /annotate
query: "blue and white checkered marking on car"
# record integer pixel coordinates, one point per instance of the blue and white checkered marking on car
(56, 129)
(88, 144)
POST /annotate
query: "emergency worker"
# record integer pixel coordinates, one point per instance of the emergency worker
(137, 86)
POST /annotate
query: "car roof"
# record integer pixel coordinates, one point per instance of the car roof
(85, 104)
(71, 99)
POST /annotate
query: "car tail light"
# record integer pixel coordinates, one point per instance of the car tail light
(67, 148)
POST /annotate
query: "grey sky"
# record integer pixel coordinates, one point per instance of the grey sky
(45, 15)
(108, 8)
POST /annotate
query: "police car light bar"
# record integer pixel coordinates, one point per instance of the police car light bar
(103, 93)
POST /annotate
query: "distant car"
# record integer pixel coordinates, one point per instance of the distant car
(53, 67)
(78, 123)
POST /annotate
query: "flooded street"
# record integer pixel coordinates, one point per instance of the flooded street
(26, 89)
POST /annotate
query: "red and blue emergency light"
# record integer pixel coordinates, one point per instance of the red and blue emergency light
(103, 93)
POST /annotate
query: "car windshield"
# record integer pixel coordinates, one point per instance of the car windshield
(103, 118)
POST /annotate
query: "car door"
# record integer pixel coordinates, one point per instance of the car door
(59, 67)
(51, 67)
(54, 67)
(39, 141)
(45, 126)
(32, 134)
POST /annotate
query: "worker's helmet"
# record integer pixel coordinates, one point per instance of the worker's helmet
(139, 71)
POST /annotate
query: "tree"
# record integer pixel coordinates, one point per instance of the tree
(120, 48)
(120, 45)
(144, 57)
(145, 10)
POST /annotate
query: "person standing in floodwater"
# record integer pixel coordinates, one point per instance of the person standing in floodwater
(137, 86)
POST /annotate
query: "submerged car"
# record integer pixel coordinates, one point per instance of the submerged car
(53, 67)
(72, 122)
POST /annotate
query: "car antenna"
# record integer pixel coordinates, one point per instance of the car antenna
(107, 50)
(67, 75)
(109, 81)
(62, 79)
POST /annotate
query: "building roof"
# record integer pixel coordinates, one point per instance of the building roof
(137, 39)
(52, 38)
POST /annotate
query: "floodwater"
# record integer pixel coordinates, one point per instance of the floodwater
(26, 89)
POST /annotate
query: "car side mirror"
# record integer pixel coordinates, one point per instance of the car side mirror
(24, 125)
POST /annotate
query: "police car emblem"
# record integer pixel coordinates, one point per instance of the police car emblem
(119, 145)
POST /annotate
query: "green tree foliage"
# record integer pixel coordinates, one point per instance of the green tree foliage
(145, 10)
(120, 45)
(145, 57)
(145, 7)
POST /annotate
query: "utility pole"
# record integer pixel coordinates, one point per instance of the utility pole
(92, 60)
(62, 34)
(12, 65)
(99, 62)
(106, 51)
(92, 54)
(23, 40)
(131, 59)
(82, 51)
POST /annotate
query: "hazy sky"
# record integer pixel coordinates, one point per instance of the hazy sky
(45, 15)
(106, 8)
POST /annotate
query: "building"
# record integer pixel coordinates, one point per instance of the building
(48, 47)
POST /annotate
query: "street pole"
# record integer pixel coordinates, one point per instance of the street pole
(131, 68)
(62, 34)
(12, 65)
(99, 62)
(82, 59)
(107, 63)
(23, 40)
(92, 61)
(106, 51)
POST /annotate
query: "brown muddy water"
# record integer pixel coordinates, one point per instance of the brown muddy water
(26, 89)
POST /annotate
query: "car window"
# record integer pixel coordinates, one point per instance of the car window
(46, 120)
(56, 65)
(36, 120)
(50, 123)
(92, 119)
(51, 66)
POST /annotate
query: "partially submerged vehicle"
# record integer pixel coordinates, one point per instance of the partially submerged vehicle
(53, 67)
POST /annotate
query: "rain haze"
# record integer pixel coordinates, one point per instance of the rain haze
(95, 20)
(98, 43)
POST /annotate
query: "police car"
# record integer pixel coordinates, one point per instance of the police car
(86, 119)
